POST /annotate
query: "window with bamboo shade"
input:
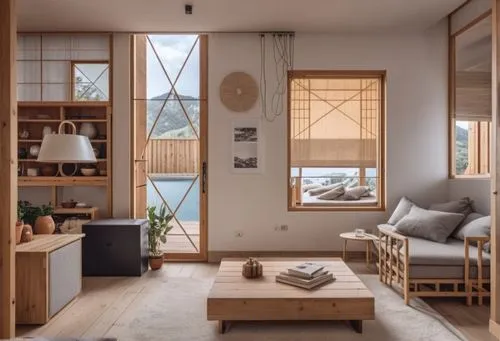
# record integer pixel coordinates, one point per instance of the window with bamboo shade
(336, 136)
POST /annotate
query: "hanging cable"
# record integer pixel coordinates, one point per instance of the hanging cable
(282, 53)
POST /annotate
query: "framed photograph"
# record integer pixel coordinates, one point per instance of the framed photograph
(247, 146)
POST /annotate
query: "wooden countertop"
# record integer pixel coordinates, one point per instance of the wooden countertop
(46, 243)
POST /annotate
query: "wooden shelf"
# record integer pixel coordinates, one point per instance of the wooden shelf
(35, 160)
(29, 141)
(40, 181)
(38, 120)
(64, 104)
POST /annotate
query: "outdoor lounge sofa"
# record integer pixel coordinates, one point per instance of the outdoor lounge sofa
(427, 268)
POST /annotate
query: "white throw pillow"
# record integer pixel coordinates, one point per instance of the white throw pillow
(323, 189)
(308, 187)
(401, 210)
(355, 193)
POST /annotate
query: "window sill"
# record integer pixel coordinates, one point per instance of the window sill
(471, 177)
(353, 208)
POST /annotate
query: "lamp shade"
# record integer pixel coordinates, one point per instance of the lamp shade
(69, 148)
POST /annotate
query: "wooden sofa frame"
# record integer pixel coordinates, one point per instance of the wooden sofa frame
(394, 268)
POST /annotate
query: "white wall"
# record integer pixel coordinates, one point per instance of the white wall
(416, 67)
(476, 189)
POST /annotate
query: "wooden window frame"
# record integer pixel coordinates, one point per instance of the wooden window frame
(72, 80)
(381, 143)
(451, 104)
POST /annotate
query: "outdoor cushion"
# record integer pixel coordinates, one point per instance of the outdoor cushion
(432, 225)
(323, 189)
(355, 193)
(308, 187)
(403, 208)
(332, 194)
(463, 206)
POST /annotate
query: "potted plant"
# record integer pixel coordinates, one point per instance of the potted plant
(157, 234)
(44, 224)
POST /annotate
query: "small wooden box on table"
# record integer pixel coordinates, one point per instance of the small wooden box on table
(236, 298)
(48, 276)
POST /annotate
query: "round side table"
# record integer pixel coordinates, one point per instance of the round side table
(367, 238)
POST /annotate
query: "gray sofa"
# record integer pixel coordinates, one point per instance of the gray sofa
(427, 268)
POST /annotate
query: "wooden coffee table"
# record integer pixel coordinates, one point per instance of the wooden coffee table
(236, 298)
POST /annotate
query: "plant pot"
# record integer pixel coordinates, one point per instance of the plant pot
(156, 262)
(19, 231)
(45, 225)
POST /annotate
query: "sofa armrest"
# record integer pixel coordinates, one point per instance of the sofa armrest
(388, 230)
(480, 242)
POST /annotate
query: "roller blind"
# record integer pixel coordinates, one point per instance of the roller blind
(473, 96)
(335, 121)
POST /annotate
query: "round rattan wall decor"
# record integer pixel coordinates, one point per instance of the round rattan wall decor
(239, 91)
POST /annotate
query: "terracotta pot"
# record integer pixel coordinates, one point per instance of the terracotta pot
(19, 231)
(156, 262)
(27, 234)
(45, 225)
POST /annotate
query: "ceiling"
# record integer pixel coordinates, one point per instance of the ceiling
(231, 15)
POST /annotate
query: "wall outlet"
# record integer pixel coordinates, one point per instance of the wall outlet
(238, 234)
(281, 228)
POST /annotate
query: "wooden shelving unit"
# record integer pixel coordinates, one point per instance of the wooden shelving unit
(34, 116)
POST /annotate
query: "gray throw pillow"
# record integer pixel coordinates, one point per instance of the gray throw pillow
(463, 206)
(401, 210)
(480, 227)
(332, 194)
(468, 219)
(324, 189)
(355, 193)
(428, 224)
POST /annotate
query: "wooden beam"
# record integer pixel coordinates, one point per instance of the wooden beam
(495, 175)
(8, 167)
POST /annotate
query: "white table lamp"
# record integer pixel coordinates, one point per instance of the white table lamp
(66, 148)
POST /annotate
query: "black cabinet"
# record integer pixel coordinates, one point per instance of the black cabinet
(115, 247)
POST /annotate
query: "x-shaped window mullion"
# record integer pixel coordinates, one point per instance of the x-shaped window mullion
(171, 89)
(92, 83)
(174, 216)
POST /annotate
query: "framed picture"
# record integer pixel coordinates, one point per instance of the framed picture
(247, 146)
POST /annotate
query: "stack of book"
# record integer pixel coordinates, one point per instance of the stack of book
(306, 276)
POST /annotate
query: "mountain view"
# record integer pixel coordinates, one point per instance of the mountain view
(173, 122)
(461, 148)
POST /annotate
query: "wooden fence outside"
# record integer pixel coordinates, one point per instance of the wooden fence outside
(173, 156)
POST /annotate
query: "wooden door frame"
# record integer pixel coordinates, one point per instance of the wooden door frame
(8, 167)
(203, 246)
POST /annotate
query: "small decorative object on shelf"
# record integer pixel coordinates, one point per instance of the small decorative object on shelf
(47, 130)
(89, 130)
(252, 269)
(69, 204)
(32, 172)
(88, 170)
(24, 134)
(49, 169)
(22, 153)
(34, 150)
(27, 234)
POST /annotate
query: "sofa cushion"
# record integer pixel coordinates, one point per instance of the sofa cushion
(428, 224)
(323, 189)
(403, 208)
(480, 227)
(463, 206)
(472, 216)
(426, 252)
(445, 271)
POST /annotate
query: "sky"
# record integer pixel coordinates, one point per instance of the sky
(173, 50)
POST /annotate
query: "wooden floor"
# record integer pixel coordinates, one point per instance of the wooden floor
(113, 297)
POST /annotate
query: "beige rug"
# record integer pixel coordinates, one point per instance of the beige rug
(179, 313)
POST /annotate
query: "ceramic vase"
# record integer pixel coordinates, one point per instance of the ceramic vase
(19, 231)
(34, 150)
(88, 129)
(45, 225)
(47, 130)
